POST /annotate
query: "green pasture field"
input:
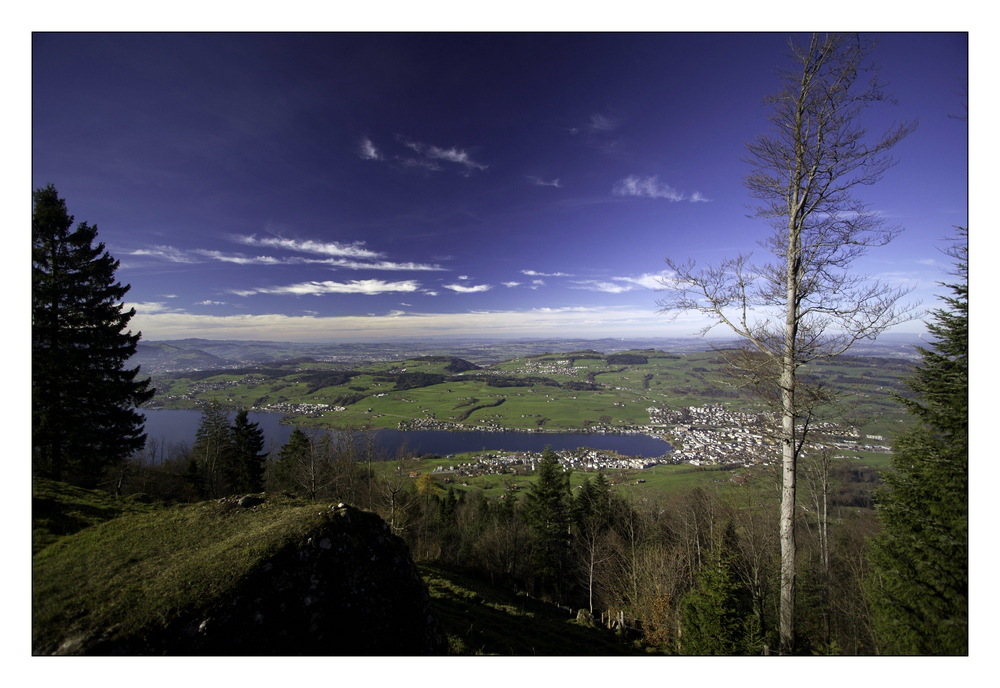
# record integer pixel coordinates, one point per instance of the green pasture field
(624, 392)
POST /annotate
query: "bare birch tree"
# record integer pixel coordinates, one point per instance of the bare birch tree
(804, 304)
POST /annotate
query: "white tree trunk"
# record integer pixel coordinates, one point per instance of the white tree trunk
(786, 526)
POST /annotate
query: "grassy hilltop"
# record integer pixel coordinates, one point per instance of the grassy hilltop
(259, 574)
(120, 573)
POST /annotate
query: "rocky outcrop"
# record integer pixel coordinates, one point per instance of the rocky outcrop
(349, 587)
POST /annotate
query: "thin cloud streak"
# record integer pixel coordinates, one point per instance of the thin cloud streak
(167, 253)
(646, 187)
(651, 187)
(462, 289)
(538, 181)
(621, 285)
(454, 155)
(429, 155)
(535, 273)
(237, 258)
(194, 256)
(327, 248)
(369, 287)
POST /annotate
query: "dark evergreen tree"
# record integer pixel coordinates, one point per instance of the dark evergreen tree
(291, 457)
(246, 463)
(83, 398)
(547, 511)
(193, 479)
(213, 448)
(717, 614)
(592, 505)
(919, 588)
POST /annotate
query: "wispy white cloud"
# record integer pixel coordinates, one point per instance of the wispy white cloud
(646, 187)
(621, 285)
(651, 187)
(535, 273)
(379, 265)
(606, 287)
(317, 288)
(429, 155)
(538, 181)
(420, 163)
(600, 132)
(597, 123)
(649, 280)
(368, 151)
(535, 284)
(237, 258)
(152, 307)
(327, 248)
(353, 256)
(454, 155)
(511, 284)
(462, 289)
(168, 253)
(209, 302)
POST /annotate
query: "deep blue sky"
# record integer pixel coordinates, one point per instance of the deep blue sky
(375, 186)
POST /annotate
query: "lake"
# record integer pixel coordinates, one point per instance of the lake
(172, 427)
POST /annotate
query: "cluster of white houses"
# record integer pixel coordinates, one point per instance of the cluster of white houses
(713, 434)
(299, 409)
(520, 463)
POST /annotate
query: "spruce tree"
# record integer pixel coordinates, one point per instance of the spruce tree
(291, 457)
(548, 512)
(717, 614)
(213, 448)
(246, 469)
(919, 588)
(83, 397)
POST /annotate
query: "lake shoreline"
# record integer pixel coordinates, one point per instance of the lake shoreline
(181, 425)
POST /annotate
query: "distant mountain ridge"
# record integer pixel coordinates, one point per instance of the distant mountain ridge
(182, 355)
(158, 357)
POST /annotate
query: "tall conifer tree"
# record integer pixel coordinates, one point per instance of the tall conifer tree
(83, 398)
(919, 588)
(213, 448)
(548, 512)
(247, 463)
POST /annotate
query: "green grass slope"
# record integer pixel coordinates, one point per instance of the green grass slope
(143, 568)
(58, 509)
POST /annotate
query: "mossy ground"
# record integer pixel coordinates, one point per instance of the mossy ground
(146, 565)
(59, 509)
